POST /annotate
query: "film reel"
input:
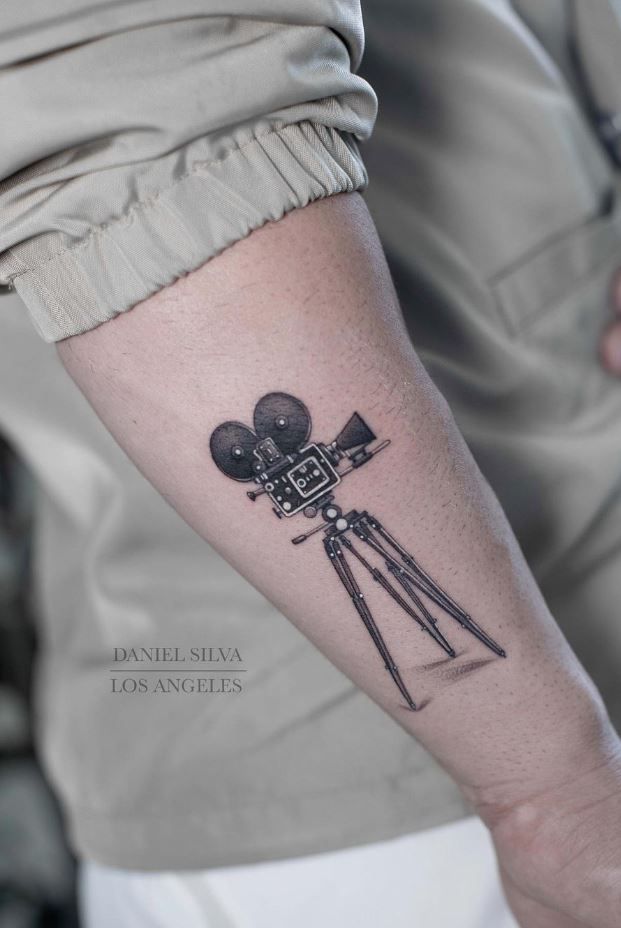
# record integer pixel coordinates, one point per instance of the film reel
(232, 445)
(283, 418)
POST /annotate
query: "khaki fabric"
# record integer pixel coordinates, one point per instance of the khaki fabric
(497, 203)
(140, 139)
(598, 46)
(500, 211)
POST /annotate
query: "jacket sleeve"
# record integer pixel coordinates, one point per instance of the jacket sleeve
(138, 146)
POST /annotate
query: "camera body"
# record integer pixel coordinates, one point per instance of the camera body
(297, 474)
(294, 482)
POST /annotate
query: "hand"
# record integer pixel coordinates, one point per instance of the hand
(560, 853)
(610, 348)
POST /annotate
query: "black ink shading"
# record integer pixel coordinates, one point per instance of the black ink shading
(300, 476)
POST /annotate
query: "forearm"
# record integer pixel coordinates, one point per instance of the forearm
(305, 306)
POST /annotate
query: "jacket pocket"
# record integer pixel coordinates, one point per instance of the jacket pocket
(543, 279)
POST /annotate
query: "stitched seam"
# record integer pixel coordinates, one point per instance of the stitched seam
(140, 205)
(370, 787)
(52, 301)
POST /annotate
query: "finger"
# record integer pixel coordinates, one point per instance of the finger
(610, 348)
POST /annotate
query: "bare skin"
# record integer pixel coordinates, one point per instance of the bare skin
(306, 305)
(565, 837)
(611, 340)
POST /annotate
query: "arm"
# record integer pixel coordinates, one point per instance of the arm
(306, 306)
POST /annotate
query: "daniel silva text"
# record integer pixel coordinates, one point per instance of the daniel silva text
(202, 670)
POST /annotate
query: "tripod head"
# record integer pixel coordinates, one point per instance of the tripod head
(297, 474)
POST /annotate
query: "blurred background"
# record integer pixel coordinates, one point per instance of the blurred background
(36, 868)
(546, 348)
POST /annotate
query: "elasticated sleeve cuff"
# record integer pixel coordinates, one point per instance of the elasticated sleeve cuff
(161, 238)
(144, 141)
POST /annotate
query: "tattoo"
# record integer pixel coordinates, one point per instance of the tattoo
(299, 475)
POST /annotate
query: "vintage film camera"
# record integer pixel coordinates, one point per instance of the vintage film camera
(296, 474)
(300, 476)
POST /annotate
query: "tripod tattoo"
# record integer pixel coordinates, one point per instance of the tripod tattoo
(300, 476)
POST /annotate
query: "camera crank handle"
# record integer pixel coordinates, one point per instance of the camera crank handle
(300, 538)
(252, 494)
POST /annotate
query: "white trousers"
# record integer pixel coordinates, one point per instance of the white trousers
(442, 878)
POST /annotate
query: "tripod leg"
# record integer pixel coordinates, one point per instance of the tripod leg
(383, 581)
(423, 580)
(419, 578)
(464, 620)
(364, 532)
(348, 580)
(410, 561)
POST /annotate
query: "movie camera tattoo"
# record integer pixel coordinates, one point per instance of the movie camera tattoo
(300, 476)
